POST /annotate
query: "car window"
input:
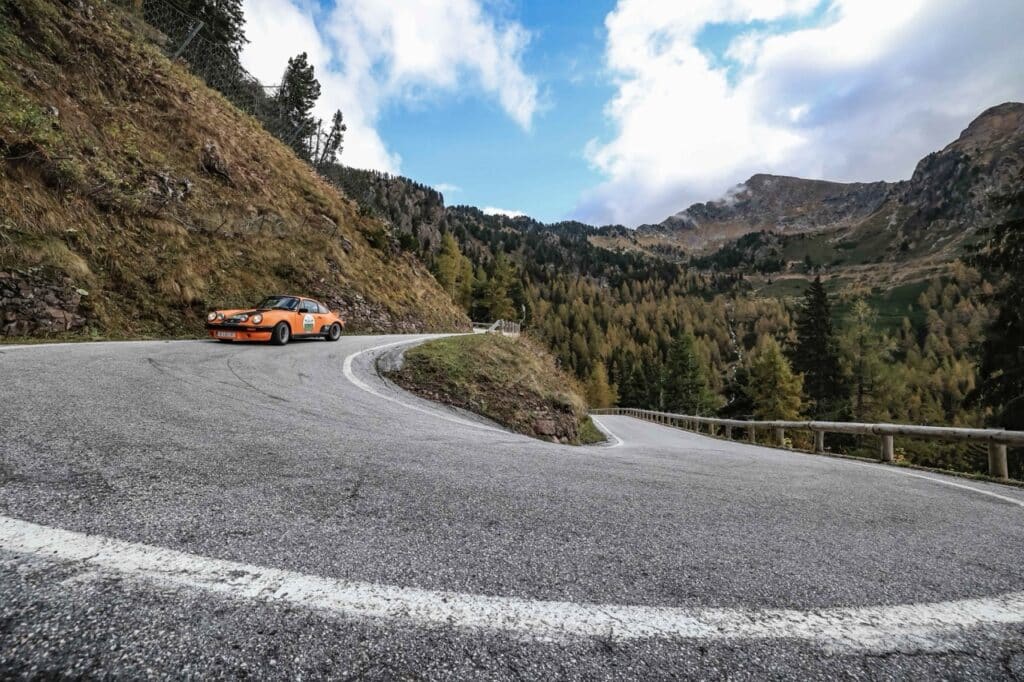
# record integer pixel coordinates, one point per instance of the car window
(322, 309)
(280, 302)
(308, 307)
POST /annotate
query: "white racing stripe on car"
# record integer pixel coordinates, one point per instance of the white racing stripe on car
(916, 627)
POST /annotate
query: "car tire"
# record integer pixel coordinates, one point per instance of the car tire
(281, 335)
(334, 332)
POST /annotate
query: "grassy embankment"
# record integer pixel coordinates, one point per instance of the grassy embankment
(512, 381)
(108, 185)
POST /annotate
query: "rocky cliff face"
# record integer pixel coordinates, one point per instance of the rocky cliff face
(951, 189)
(945, 200)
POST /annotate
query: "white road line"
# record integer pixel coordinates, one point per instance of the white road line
(877, 467)
(940, 481)
(359, 383)
(615, 440)
(931, 627)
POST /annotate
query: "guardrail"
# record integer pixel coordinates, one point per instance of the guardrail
(996, 439)
(503, 327)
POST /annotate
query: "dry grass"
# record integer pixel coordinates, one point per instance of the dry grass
(85, 192)
(512, 381)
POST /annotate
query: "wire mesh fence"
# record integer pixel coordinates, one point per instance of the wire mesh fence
(185, 37)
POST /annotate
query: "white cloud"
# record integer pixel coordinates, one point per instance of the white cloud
(370, 54)
(864, 95)
(447, 187)
(491, 210)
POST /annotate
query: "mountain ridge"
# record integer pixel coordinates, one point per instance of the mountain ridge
(950, 186)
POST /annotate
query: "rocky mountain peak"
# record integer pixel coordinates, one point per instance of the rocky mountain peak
(992, 129)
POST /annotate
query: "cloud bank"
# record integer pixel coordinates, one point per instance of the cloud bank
(493, 210)
(369, 54)
(861, 93)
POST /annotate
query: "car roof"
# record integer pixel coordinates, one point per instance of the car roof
(308, 298)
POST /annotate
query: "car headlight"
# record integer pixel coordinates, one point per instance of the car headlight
(243, 318)
(257, 318)
(211, 317)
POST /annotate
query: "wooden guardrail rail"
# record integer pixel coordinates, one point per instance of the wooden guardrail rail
(996, 439)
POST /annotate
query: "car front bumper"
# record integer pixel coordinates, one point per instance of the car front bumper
(238, 332)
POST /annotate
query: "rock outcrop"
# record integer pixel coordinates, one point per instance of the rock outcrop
(37, 302)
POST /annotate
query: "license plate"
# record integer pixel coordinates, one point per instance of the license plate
(225, 335)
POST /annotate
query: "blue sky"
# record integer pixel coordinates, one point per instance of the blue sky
(627, 111)
(467, 141)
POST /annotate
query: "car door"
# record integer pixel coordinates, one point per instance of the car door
(307, 317)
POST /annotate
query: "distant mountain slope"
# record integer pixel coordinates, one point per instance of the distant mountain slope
(775, 203)
(936, 210)
(133, 197)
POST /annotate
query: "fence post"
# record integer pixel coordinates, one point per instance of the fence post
(780, 437)
(819, 441)
(752, 433)
(192, 34)
(728, 431)
(997, 465)
(888, 452)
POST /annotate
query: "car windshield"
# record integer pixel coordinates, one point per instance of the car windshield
(280, 302)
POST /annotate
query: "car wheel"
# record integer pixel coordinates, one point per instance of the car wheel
(334, 333)
(282, 334)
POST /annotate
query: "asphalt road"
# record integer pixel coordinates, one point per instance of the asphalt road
(254, 511)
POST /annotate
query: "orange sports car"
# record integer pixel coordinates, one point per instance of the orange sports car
(277, 319)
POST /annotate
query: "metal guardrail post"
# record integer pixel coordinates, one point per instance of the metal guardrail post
(997, 465)
(888, 451)
(997, 440)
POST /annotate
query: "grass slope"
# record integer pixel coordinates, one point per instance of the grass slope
(512, 381)
(126, 177)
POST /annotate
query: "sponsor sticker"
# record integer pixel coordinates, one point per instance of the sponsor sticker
(307, 323)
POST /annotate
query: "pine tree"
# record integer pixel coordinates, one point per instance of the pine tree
(685, 386)
(599, 392)
(633, 385)
(328, 148)
(772, 386)
(1001, 371)
(223, 21)
(295, 100)
(816, 354)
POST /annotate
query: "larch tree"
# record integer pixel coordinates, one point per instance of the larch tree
(448, 264)
(772, 387)
(599, 392)
(865, 353)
